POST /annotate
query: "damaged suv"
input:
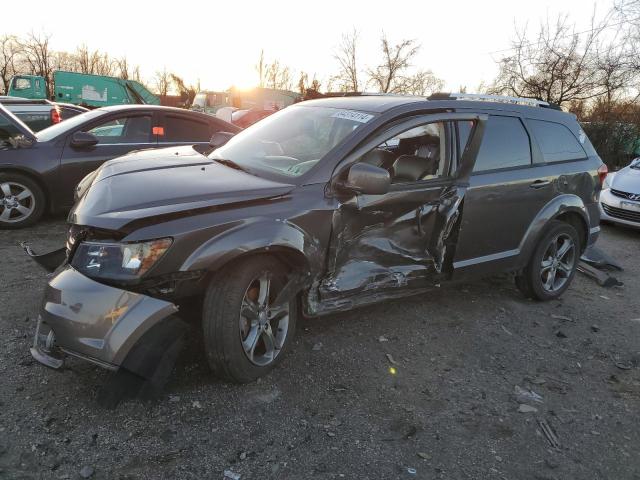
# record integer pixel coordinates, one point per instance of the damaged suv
(322, 207)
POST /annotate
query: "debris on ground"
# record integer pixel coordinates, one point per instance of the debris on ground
(411, 471)
(596, 257)
(382, 338)
(561, 317)
(524, 408)
(424, 456)
(231, 475)
(549, 433)
(526, 396)
(391, 359)
(602, 278)
(87, 471)
(317, 346)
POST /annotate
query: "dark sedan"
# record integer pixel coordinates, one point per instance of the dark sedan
(39, 171)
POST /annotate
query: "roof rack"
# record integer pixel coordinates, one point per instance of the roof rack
(532, 102)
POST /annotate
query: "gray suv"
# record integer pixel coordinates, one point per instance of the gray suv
(322, 207)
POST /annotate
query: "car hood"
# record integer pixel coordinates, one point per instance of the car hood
(626, 180)
(166, 182)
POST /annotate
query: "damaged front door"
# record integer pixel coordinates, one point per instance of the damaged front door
(386, 245)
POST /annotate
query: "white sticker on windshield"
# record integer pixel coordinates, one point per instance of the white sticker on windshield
(353, 115)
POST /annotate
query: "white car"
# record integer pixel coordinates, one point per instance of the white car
(620, 196)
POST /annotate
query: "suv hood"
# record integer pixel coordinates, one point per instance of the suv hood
(169, 181)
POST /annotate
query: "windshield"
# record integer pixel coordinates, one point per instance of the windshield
(54, 130)
(291, 141)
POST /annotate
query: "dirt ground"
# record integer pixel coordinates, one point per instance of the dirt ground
(333, 409)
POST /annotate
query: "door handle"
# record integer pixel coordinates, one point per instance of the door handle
(540, 183)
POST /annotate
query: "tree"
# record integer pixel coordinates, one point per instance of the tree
(304, 84)
(162, 82)
(187, 93)
(561, 65)
(388, 77)
(9, 60)
(122, 66)
(347, 77)
(273, 75)
(38, 57)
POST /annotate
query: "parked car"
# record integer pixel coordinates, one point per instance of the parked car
(322, 207)
(39, 172)
(620, 196)
(40, 114)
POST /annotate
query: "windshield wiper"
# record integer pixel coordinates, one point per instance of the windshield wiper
(231, 164)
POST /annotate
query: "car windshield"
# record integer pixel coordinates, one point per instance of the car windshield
(54, 130)
(290, 142)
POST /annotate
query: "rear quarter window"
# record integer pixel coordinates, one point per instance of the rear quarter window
(505, 144)
(556, 141)
(181, 129)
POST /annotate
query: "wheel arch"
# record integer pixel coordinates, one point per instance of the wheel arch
(566, 208)
(280, 238)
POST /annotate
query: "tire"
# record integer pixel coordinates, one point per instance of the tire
(228, 335)
(549, 281)
(22, 201)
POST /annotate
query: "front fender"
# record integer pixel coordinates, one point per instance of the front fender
(558, 206)
(263, 235)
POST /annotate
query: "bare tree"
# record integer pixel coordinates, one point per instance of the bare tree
(122, 66)
(187, 93)
(9, 60)
(561, 65)
(347, 78)
(162, 82)
(93, 62)
(422, 83)
(390, 75)
(261, 68)
(39, 57)
(304, 84)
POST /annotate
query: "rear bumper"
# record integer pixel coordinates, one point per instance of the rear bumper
(617, 210)
(96, 322)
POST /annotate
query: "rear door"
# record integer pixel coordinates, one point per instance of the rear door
(506, 192)
(118, 134)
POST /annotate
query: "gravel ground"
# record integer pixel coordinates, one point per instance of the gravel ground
(333, 409)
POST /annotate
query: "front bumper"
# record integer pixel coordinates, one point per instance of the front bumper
(96, 322)
(619, 210)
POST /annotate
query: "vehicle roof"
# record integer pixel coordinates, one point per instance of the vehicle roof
(384, 103)
(8, 100)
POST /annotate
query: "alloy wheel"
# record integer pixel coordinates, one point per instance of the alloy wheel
(17, 202)
(264, 320)
(558, 262)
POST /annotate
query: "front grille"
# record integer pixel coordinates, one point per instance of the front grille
(627, 195)
(621, 213)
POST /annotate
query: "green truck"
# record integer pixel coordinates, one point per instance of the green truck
(83, 89)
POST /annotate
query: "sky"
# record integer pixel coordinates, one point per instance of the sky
(219, 43)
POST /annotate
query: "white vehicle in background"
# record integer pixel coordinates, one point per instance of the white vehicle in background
(620, 196)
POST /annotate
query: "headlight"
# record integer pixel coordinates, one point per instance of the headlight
(118, 261)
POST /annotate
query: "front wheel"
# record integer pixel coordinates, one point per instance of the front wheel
(553, 263)
(248, 322)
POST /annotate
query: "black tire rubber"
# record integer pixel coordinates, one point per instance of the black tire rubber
(220, 318)
(529, 281)
(38, 197)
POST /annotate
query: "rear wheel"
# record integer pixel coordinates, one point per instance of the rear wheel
(553, 263)
(248, 324)
(21, 201)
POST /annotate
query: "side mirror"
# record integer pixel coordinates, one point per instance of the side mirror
(220, 138)
(368, 179)
(83, 140)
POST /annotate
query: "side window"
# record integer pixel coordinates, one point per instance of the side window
(124, 130)
(556, 141)
(419, 153)
(22, 83)
(505, 144)
(180, 129)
